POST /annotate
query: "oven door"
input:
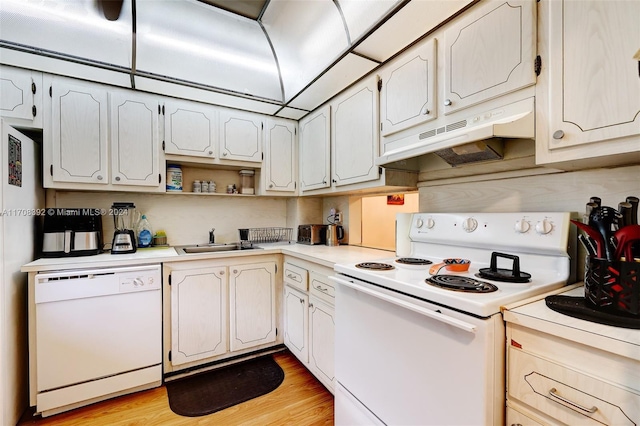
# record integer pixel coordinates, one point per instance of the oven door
(407, 361)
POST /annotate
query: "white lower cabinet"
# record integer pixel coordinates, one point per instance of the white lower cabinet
(567, 371)
(309, 325)
(198, 314)
(252, 305)
(216, 309)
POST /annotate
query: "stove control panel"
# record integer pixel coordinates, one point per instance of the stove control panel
(542, 232)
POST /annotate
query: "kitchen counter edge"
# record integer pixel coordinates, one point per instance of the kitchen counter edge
(323, 255)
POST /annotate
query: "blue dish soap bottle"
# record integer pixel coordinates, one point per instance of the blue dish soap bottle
(145, 234)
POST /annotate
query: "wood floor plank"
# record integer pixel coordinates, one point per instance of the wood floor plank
(300, 400)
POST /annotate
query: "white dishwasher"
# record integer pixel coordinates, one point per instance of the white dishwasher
(98, 334)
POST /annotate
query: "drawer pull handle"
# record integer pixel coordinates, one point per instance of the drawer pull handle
(324, 290)
(293, 277)
(554, 393)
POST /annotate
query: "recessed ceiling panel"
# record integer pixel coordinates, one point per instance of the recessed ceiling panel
(249, 8)
(307, 37)
(413, 21)
(344, 73)
(295, 114)
(76, 28)
(361, 16)
(192, 41)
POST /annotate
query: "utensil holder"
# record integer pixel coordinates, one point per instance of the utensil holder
(613, 286)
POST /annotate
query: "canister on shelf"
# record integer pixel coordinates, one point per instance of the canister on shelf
(212, 186)
(205, 186)
(246, 181)
(174, 178)
(197, 186)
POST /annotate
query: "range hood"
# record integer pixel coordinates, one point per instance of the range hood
(455, 135)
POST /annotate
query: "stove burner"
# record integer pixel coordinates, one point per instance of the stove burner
(413, 261)
(375, 266)
(458, 283)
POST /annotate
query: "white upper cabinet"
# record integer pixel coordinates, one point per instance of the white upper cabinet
(101, 138)
(489, 51)
(135, 146)
(190, 129)
(79, 131)
(21, 96)
(315, 149)
(354, 134)
(198, 314)
(408, 93)
(241, 136)
(280, 160)
(591, 94)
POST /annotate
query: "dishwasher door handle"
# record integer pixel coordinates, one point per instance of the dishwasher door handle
(438, 316)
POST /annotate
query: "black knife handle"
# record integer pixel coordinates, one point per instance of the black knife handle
(634, 209)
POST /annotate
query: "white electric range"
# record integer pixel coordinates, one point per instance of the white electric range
(417, 343)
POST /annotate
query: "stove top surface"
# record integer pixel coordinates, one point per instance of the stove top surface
(532, 242)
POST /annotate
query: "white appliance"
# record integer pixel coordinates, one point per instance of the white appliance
(98, 334)
(20, 198)
(412, 352)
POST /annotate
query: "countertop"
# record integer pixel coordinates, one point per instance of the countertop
(536, 315)
(324, 255)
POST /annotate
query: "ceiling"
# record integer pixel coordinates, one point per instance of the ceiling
(278, 57)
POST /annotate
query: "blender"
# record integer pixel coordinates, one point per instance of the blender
(124, 221)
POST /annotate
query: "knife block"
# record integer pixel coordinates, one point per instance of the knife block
(613, 286)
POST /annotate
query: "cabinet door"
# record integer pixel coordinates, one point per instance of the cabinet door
(252, 303)
(354, 135)
(489, 51)
(241, 136)
(321, 341)
(280, 156)
(296, 323)
(135, 146)
(79, 133)
(190, 129)
(594, 89)
(408, 94)
(198, 314)
(315, 150)
(21, 96)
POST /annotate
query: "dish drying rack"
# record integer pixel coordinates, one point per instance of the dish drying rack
(265, 235)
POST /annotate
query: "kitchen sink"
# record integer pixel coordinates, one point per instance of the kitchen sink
(213, 248)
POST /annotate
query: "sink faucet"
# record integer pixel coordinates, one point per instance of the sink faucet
(212, 238)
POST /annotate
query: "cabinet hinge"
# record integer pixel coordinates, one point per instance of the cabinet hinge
(162, 109)
(276, 269)
(262, 156)
(537, 65)
(162, 146)
(379, 85)
(295, 130)
(51, 170)
(159, 178)
(380, 126)
(169, 279)
(295, 185)
(169, 355)
(33, 87)
(50, 91)
(34, 110)
(159, 109)
(262, 125)
(276, 331)
(380, 171)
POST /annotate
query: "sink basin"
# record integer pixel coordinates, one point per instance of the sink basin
(212, 248)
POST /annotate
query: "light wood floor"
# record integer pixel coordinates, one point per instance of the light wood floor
(299, 400)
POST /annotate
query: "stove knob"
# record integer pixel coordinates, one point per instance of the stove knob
(522, 226)
(419, 223)
(544, 227)
(431, 223)
(469, 224)
(137, 282)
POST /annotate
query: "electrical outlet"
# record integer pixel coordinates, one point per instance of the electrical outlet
(338, 217)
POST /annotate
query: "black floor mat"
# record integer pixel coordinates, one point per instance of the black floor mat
(215, 390)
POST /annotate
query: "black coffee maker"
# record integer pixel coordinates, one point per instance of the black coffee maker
(124, 221)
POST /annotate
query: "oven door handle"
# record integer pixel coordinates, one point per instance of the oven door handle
(404, 304)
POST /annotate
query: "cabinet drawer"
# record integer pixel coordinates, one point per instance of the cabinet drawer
(295, 276)
(322, 287)
(567, 395)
